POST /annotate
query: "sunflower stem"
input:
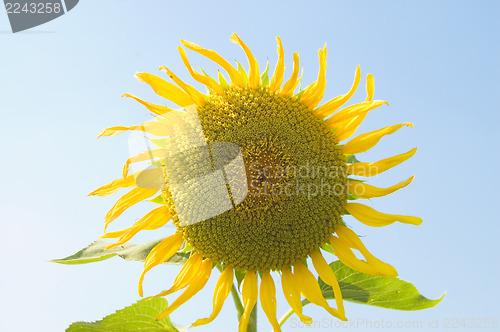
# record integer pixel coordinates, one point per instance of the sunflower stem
(284, 318)
(252, 323)
(237, 302)
(287, 315)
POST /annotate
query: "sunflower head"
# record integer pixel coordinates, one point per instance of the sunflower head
(293, 172)
(256, 178)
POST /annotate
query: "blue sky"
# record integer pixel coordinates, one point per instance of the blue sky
(436, 62)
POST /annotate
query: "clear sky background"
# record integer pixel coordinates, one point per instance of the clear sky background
(436, 62)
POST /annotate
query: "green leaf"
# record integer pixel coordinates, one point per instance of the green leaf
(239, 277)
(222, 81)
(209, 90)
(352, 159)
(158, 200)
(140, 316)
(242, 72)
(159, 142)
(264, 78)
(352, 197)
(300, 93)
(129, 251)
(327, 247)
(385, 292)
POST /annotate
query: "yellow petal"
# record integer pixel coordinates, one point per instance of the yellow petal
(364, 190)
(349, 239)
(157, 109)
(151, 127)
(114, 186)
(371, 217)
(198, 283)
(132, 197)
(235, 77)
(314, 93)
(371, 169)
(150, 178)
(222, 290)
(189, 270)
(346, 256)
(112, 131)
(292, 295)
(326, 274)
(333, 105)
(348, 128)
(370, 87)
(292, 82)
(143, 156)
(249, 291)
(206, 80)
(279, 71)
(365, 142)
(268, 300)
(352, 111)
(194, 94)
(160, 253)
(154, 219)
(348, 120)
(114, 235)
(156, 128)
(253, 74)
(309, 287)
(165, 89)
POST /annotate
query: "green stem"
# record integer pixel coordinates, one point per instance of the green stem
(237, 302)
(287, 315)
(252, 323)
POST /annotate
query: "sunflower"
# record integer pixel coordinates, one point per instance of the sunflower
(285, 216)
